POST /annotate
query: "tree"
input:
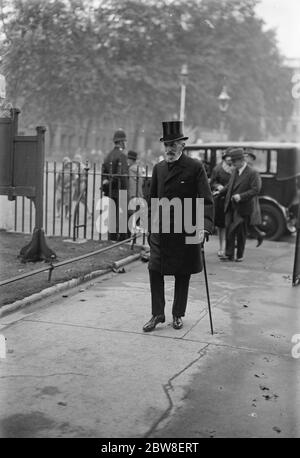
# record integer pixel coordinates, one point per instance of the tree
(119, 62)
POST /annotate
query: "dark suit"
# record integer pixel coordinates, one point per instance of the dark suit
(237, 214)
(115, 170)
(115, 163)
(169, 252)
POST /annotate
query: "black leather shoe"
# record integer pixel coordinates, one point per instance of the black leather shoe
(150, 325)
(226, 258)
(260, 238)
(177, 322)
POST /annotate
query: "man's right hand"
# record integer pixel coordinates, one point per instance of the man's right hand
(204, 236)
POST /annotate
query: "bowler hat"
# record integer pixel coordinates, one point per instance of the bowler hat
(236, 153)
(172, 131)
(250, 153)
(226, 153)
(119, 135)
(132, 155)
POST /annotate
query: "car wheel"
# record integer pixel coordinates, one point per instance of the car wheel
(273, 223)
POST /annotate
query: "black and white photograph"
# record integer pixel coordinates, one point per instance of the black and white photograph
(149, 223)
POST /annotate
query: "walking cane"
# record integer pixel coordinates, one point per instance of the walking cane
(206, 285)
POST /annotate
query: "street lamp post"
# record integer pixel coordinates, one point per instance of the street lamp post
(223, 100)
(183, 75)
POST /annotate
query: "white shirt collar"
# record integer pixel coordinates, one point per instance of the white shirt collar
(242, 169)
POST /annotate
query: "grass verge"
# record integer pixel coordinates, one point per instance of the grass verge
(10, 266)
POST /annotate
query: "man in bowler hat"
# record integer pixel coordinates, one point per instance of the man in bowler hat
(177, 176)
(115, 168)
(242, 188)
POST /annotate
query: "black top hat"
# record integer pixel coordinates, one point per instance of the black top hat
(172, 131)
(132, 155)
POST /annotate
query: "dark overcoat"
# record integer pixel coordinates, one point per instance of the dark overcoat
(219, 176)
(255, 218)
(115, 163)
(169, 252)
(247, 185)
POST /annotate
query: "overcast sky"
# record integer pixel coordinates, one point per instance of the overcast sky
(284, 15)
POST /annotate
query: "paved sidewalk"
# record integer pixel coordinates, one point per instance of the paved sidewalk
(81, 366)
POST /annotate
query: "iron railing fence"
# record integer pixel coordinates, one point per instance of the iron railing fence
(72, 196)
(51, 266)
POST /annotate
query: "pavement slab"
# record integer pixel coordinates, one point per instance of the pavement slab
(79, 364)
(237, 393)
(98, 390)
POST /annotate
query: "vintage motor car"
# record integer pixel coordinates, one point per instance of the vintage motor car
(279, 168)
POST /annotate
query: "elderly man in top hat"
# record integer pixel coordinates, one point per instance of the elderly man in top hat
(181, 177)
(115, 163)
(242, 188)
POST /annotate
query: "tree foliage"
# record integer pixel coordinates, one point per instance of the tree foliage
(121, 59)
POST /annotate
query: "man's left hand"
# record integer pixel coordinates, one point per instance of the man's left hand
(236, 197)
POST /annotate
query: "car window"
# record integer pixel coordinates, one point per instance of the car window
(200, 154)
(195, 154)
(261, 162)
(219, 154)
(273, 161)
